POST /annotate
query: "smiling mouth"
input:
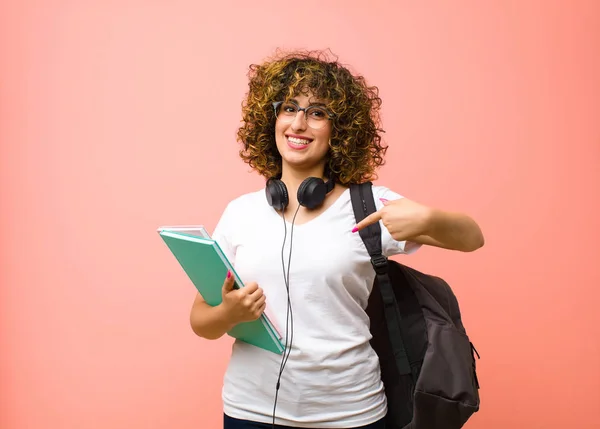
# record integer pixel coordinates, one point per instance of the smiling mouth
(297, 141)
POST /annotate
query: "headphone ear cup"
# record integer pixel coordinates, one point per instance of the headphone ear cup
(312, 192)
(277, 194)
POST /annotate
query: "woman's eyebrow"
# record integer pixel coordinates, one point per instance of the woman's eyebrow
(314, 103)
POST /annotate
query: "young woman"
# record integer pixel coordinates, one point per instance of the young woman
(295, 242)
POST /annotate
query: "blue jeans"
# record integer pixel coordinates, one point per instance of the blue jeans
(231, 423)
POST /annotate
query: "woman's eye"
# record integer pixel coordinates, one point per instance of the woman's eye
(289, 108)
(317, 113)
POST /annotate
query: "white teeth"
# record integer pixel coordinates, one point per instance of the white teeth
(298, 141)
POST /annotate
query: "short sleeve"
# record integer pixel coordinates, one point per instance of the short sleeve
(390, 246)
(223, 233)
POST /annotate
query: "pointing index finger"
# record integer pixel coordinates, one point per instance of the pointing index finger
(369, 220)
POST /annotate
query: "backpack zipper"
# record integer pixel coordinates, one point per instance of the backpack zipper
(362, 199)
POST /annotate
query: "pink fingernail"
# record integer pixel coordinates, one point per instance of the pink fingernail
(383, 200)
(228, 274)
(355, 229)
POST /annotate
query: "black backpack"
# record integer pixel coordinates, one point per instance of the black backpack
(427, 360)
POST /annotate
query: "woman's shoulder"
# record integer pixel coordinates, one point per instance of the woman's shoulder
(247, 200)
(385, 192)
(240, 208)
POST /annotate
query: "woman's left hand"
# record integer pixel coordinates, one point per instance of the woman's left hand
(403, 218)
(407, 220)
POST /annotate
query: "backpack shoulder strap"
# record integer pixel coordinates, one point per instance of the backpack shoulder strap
(363, 204)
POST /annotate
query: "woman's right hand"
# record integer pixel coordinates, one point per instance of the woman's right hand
(244, 304)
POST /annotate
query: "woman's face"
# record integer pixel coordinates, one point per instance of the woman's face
(302, 147)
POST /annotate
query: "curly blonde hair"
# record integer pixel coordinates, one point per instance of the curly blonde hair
(356, 150)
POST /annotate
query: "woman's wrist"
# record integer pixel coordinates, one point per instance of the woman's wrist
(224, 317)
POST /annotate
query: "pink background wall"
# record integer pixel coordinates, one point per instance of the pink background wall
(117, 117)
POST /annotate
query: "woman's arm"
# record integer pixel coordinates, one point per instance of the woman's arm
(207, 321)
(408, 220)
(449, 230)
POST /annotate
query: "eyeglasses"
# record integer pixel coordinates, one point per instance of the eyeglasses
(316, 116)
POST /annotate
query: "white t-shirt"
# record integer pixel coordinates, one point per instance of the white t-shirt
(331, 378)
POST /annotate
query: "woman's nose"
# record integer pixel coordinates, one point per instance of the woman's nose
(299, 122)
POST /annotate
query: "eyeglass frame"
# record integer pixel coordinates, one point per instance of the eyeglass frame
(276, 104)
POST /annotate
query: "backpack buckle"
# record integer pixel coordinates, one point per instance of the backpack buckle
(380, 264)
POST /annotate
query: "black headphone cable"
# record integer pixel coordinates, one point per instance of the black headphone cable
(289, 314)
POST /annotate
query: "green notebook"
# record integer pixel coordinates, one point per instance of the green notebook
(206, 265)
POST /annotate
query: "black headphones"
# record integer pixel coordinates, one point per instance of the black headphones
(311, 193)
